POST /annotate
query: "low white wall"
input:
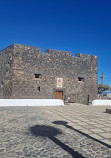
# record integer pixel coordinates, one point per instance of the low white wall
(31, 102)
(101, 102)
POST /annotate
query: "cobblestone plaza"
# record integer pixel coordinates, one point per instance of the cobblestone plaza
(68, 131)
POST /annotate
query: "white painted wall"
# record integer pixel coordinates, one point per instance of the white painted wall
(31, 102)
(101, 102)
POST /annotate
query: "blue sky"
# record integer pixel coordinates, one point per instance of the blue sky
(79, 26)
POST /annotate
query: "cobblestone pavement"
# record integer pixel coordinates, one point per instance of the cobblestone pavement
(55, 132)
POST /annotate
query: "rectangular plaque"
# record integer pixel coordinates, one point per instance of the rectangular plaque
(59, 82)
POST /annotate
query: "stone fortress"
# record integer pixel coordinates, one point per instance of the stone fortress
(26, 73)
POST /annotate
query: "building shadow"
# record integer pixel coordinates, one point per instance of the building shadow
(64, 123)
(50, 132)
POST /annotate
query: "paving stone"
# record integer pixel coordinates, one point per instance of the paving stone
(96, 136)
(96, 130)
(20, 142)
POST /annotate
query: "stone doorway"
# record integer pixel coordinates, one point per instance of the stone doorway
(59, 95)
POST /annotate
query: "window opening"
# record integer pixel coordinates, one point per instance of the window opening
(81, 79)
(37, 75)
(39, 89)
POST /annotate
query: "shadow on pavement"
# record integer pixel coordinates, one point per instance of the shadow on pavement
(64, 123)
(51, 132)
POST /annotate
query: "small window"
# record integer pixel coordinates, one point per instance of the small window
(81, 79)
(37, 75)
(39, 89)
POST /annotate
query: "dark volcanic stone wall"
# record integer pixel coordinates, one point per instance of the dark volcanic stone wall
(25, 61)
(6, 72)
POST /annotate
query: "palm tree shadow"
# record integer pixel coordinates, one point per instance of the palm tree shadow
(50, 132)
(64, 123)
